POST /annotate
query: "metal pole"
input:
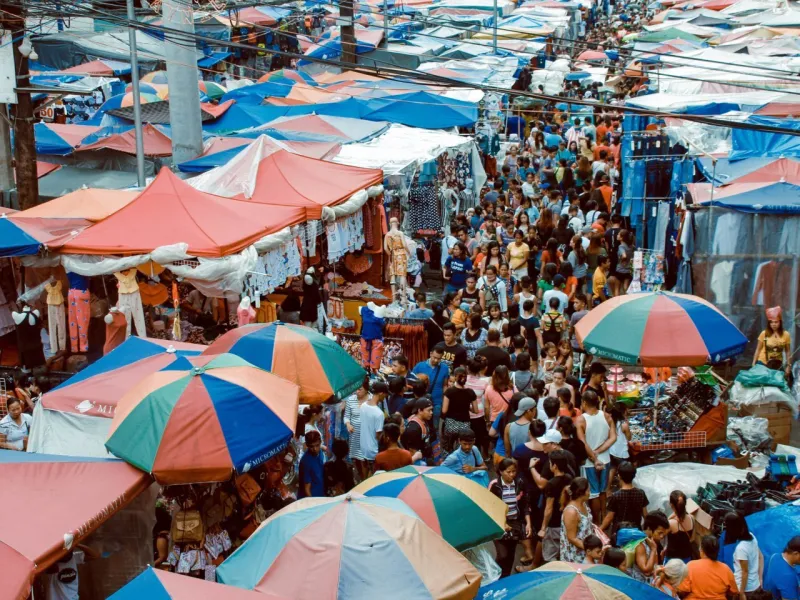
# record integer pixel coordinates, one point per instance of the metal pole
(137, 105)
(494, 29)
(6, 164)
(385, 24)
(710, 229)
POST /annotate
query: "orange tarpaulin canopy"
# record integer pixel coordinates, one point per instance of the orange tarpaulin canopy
(155, 142)
(170, 211)
(286, 179)
(92, 204)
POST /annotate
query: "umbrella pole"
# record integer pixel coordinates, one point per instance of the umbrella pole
(655, 403)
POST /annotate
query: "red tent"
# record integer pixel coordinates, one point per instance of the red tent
(155, 142)
(286, 179)
(783, 169)
(97, 68)
(170, 211)
(65, 499)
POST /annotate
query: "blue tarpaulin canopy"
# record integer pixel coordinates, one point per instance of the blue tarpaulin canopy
(775, 198)
(423, 109)
(748, 143)
(255, 94)
(49, 142)
(212, 59)
(14, 241)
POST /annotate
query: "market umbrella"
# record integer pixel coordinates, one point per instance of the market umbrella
(125, 100)
(212, 89)
(291, 74)
(570, 581)
(300, 354)
(155, 77)
(659, 329)
(463, 512)
(163, 585)
(360, 547)
(201, 418)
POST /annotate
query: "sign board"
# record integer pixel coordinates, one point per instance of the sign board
(7, 73)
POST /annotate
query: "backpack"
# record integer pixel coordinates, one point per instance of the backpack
(629, 539)
(187, 527)
(489, 292)
(248, 489)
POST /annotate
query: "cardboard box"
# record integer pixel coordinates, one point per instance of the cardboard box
(702, 520)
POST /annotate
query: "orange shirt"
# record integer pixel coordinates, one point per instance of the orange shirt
(606, 191)
(600, 147)
(708, 580)
(602, 131)
(570, 287)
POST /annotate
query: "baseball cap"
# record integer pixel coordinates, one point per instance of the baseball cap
(524, 406)
(551, 436)
(559, 280)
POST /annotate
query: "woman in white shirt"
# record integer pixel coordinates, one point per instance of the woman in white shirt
(748, 562)
(15, 427)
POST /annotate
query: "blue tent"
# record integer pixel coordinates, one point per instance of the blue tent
(49, 142)
(210, 161)
(14, 241)
(728, 171)
(239, 117)
(779, 198)
(255, 94)
(753, 144)
(212, 59)
(423, 109)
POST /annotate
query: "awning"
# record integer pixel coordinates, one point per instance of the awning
(91, 204)
(155, 142)
(214, 58)
(87, 493)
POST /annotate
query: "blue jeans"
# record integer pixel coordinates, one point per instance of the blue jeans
(598, 480)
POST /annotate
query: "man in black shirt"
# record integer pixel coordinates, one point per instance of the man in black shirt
(454, 355)
(596, 380)
(550, 533)
(493, 353)
(612, 243)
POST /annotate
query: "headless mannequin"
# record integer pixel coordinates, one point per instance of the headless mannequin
(245, 313)
(116, 329)
(398, 249)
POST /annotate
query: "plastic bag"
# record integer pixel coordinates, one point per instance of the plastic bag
(749, 432)
(760, 375)
(483, 558)
(746, 396)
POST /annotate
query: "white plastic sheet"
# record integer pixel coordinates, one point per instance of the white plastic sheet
(483, 558)
(748, 432)
(658, 481)
(744, 396)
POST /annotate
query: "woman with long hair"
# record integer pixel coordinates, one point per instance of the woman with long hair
(577, 258)
(583, 171)
(522, 221)
(576, 520)
(748, 561)
(545, 224)
(563, 234)
(593, 253)
(511, 490)
(681, 529)
(774, 343)
(494, 257)
(585, 148)
(457, 404)
(499, 391)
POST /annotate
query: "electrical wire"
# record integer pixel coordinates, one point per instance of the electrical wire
(395, 71)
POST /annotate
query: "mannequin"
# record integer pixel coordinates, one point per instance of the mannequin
(396, 246)
(130, 301)
(245, 313)
(29, 339)
(372, 324)
(79, 312)
(312, 309)
(116, 329)
(56, 317)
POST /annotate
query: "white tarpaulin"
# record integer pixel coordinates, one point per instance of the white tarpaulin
(68, 434)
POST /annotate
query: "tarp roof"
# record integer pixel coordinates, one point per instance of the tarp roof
(170, 211)
(747, 143)
(287, 179)
(757, 197)
(43, 168)
(155, 142)
(21, 236)
(91, 204)
(100, 67)
(68, 179)
(60, 138)
(88, 492)
(342, 128)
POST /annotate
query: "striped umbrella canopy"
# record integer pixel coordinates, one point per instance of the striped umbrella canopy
(659, 329)
(201, 418)
(212, 89)
(300, 354)
(570, 581)
(123, 100)
(157, 89)
(349, 547)
(155, 77)
(463, 512)
(290, 74)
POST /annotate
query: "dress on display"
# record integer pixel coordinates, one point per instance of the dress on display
(398, 265)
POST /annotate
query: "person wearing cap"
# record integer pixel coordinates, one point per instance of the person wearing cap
(516, 432)
(372, 420)
(774, 343)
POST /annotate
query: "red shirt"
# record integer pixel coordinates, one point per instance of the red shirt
(392, 459)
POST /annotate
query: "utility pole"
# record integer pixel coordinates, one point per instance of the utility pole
(494, 29)
(348, 32)
(24, 142)
(6, 164)
(385, 23)
(137, 99)
(184, 96)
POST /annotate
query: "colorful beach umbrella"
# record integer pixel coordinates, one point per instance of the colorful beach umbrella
(300, 354)
(156, 89)
(290, 74)
(201, 418)
(212, 89)
(349, 547)
(155, 77)
(463, 512)
(163, 585)
(125, 100)
(659, 329)
(569, 581)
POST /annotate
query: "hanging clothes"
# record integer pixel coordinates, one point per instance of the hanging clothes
(116, 330)
(424, 208)
(413, 338)
(56, 317)
(29, 338)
